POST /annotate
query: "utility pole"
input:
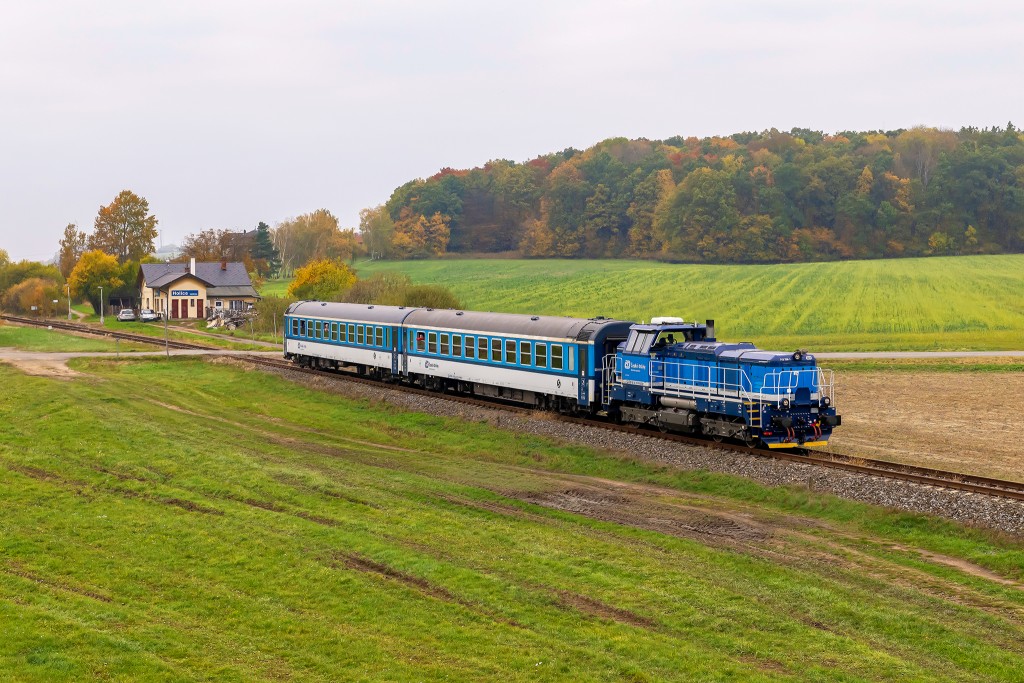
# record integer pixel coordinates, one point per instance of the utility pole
(68, 287)
(167, 314)
(101, 306)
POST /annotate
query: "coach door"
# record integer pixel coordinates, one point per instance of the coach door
(396, 345)
(581, 371)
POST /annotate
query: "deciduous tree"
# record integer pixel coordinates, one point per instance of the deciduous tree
(124, 228)
(72, 246)
(322, 280)
(95, 269)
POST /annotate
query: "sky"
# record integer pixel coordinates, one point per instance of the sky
(224, 113)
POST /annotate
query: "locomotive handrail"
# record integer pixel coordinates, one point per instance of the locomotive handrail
(705, 381)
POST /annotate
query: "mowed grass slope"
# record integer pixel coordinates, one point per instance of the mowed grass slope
(172, 520)
(967, 302)
(41, 339)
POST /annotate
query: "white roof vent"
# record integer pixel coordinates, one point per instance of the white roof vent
(666, 320)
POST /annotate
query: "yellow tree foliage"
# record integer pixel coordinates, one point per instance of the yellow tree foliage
(36, 291)
(321, 280)
(95, 269)
(415, 236)
(865, 181)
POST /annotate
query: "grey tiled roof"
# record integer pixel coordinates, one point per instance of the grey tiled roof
(161, 274)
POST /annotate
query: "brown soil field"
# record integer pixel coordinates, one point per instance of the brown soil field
(971, 422)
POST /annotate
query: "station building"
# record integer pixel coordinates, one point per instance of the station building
(195, 290)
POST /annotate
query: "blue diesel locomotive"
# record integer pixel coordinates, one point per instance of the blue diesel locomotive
(668, 374)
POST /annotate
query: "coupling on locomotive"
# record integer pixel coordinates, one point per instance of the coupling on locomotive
(669, 374)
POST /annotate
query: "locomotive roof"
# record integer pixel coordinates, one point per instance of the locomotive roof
(581, 329)
(741, 351)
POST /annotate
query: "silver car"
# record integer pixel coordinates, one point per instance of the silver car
(126, 315)
(148, 315)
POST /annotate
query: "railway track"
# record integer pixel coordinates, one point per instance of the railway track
(876, 468)
(100, 332)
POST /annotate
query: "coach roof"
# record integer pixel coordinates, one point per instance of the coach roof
(515, 324)
(392, 315)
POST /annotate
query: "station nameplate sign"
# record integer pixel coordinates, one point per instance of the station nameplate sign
(184, 292)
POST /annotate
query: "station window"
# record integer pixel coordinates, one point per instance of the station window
(481, 346)
(496, 350)
(432, 342)
(542, 355)
(470, 347)
(360, 338)
(510, 352)
(524, 353)
(457, 345)
(444, 344)
(556, 356)
(380, 336)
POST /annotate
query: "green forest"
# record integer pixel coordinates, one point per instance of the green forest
(764, 197)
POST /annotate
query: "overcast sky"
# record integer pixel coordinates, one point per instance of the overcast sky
(226, 113)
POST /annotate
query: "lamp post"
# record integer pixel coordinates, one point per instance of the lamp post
(101, 305)
(167, 313)
(68, 287)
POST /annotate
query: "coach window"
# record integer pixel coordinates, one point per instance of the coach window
(380, 336)
(572, 358)
(444, 344)
(341, 332)
(470, 347)
(319, 331)
(359, 334)
(302, 327)
(432, 342)
(421, 341)
(510, 352)
(496, 350)
(295, 327)
(457, 345)
(481, 347)
(351, 333)
(556, 356)
(542, 355)
(524, 353)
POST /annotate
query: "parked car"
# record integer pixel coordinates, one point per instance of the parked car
(148, 315)
(126, 315)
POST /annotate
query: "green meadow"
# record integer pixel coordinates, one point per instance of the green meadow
(41, 339)
(950, 303)
(181, 520)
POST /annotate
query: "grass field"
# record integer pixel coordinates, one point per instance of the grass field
(40, 339)
(180, 520)
(968, 302)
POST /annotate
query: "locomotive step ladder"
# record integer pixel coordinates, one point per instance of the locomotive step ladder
(753, 409)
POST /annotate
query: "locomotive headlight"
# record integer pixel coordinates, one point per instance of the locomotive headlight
(826, 401)
(784, 404)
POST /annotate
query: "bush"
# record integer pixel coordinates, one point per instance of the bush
(384, 288)
(36, 291)
(322, 280)
(270, 312)
(430, 296)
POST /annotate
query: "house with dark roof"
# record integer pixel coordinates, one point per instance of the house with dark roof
(195, 290)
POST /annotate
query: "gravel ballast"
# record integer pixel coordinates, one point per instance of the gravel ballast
(975, 509)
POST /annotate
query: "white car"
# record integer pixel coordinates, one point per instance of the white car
(126, 315)
(148, 315)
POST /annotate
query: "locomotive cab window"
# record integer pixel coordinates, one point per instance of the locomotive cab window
(444, 344)
(457, 345)
(432, 342)
(510, 352)
(524, 353)
(542, 355)
(496, 350)
(556, 356)
(470, 347)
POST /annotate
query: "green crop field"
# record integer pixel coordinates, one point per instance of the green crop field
(967, 302)
(181, 520)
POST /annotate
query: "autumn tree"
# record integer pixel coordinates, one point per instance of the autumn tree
(377, 229)
(95, 269)
(38, 292)
(206, 245)
(309, 237)
(321, 280)
(124, 228)
(72, 246)
(416, 236)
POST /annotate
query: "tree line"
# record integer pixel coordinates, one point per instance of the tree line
(750, 197)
